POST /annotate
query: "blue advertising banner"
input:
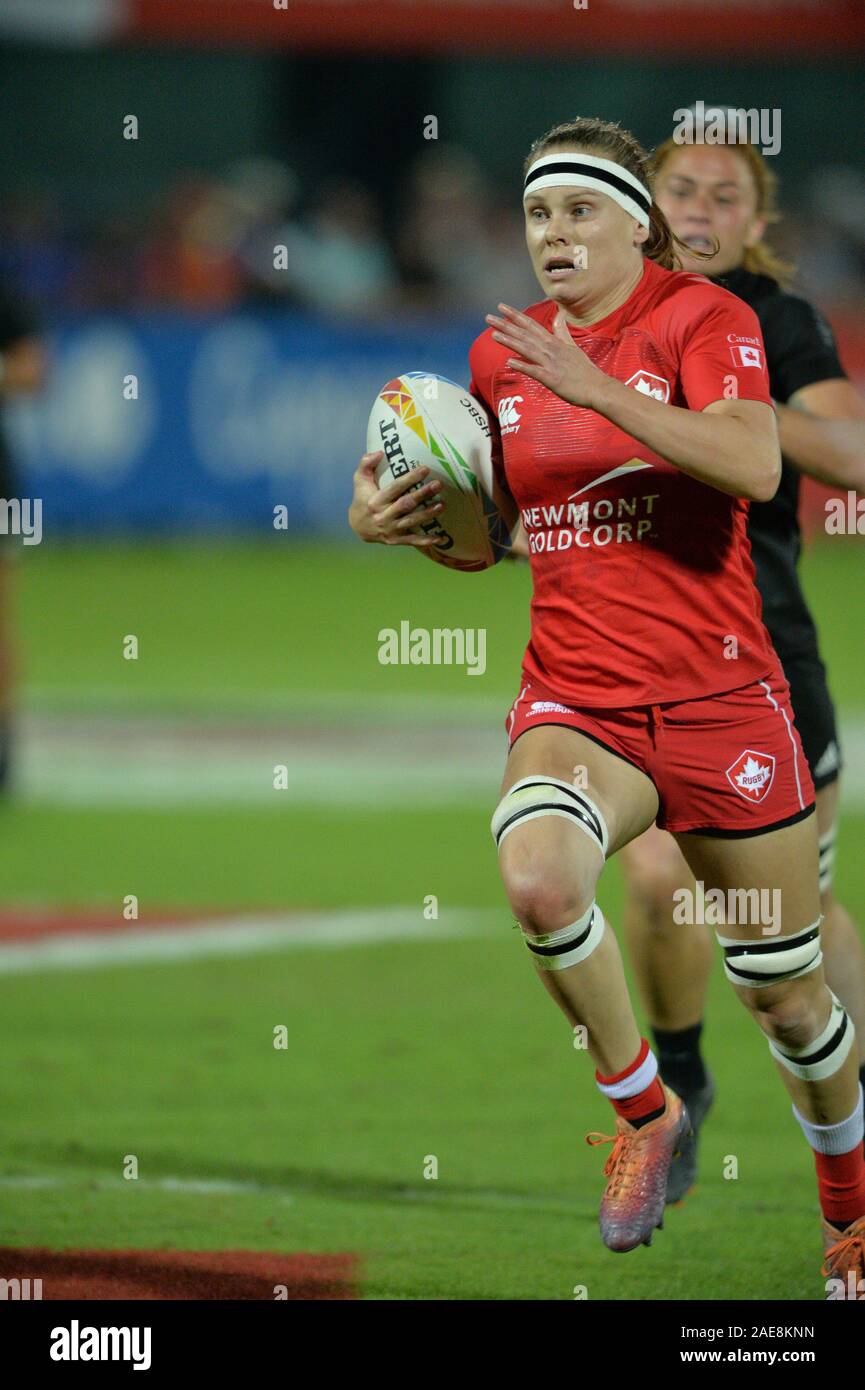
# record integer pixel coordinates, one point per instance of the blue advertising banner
(176, 424)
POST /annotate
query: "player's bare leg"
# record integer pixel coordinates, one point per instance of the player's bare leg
(672, 962)
(777, 974)
(553, 830)
(550, 870)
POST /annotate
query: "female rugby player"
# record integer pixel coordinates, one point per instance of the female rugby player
(639, 418)
(720, 199)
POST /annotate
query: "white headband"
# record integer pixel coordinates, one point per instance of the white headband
(587, 171)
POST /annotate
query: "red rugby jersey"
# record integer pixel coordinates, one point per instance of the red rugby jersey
(643, 583)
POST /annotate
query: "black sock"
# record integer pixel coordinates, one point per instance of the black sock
(644, 1119)
(679, 1059)
(839, 1226)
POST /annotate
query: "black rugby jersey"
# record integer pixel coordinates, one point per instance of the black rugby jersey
(800, 350)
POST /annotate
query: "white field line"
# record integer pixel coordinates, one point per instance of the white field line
(205, 1187)
(243, 936)
(475, 706)
(152, 761)
(226, 780)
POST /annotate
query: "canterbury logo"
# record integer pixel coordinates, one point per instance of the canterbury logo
(509, 416)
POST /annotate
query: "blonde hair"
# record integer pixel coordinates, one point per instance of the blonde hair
(610, 141)
(759, 258)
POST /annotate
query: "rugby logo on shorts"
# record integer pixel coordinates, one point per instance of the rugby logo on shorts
(752, 774)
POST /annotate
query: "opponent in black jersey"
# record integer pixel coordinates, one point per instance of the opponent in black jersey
(800, 351)
(719, 200)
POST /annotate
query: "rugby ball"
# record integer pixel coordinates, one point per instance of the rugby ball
(422, 418)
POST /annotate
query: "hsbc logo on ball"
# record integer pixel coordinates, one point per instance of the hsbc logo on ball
(650, 385)
(752, 774)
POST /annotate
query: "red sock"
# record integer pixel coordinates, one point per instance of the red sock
(635, 1093)
(841, 1185)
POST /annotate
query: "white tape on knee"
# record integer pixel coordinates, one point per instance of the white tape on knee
(826, 1054)
(570, 945)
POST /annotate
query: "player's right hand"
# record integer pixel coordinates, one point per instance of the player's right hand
(386, 515)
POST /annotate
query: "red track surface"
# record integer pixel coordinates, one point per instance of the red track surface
(35, 924)
(179, 1274)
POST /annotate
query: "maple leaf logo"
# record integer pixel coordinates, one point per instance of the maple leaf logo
(752, 774)
(648, 390)
(650, 385)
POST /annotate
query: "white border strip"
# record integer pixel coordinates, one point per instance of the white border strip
(244, 936)
(778, 710)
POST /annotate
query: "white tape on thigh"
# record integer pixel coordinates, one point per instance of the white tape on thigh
(826, 1054)
(560, 949)
(541, 795)
(764, 962)
(827, 858)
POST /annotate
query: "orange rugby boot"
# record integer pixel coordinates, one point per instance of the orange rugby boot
(632, 1206)
(844, 1265)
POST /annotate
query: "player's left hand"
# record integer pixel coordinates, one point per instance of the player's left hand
(551, 358)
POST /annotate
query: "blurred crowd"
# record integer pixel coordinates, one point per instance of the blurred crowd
(253, 236)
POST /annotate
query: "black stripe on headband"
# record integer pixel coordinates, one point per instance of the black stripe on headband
(574, 166)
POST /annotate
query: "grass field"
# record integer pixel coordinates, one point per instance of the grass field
(154, 777)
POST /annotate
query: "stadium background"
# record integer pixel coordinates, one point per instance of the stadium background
(408, 1035)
